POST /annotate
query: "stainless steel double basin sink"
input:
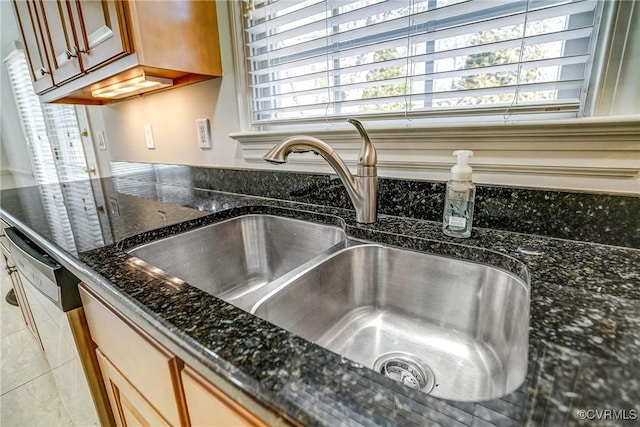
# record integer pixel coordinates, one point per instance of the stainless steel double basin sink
(452, 328)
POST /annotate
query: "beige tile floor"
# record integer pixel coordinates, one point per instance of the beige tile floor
(28, 394)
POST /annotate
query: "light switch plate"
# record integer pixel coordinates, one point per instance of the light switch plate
(102, 141)
(148, 137)
(204, 133)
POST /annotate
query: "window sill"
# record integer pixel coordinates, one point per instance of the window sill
(594, 147)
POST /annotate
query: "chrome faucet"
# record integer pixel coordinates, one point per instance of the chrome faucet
(362, 188)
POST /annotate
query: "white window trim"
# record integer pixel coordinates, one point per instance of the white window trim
(591, 147)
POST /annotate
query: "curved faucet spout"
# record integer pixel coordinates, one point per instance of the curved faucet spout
(304, 144)
(362, 188)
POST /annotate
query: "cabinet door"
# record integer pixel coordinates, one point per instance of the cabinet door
(61, 40)
(101, 29)
(128, 406)
(152, 371)
(208, 406)
(34, 46)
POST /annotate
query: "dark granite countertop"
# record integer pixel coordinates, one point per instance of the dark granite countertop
(584, 331)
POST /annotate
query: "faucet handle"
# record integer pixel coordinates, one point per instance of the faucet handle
(361, 130)
(367, 156)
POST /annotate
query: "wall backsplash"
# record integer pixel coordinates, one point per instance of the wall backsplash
(598, 218)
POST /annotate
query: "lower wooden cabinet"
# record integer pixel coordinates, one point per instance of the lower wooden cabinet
(152, 371)
(129, 407)
(148, 386)
(208, 406)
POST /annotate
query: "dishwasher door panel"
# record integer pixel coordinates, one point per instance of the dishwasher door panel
(52, 294)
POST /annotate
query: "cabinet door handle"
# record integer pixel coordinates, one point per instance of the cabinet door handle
(43, 71)
(75, 52)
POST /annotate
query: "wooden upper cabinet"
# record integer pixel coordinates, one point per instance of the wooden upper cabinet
(60, 38)
(57, 39)
(177, 35)
(101, 30)
(34, 46)
(89, 46)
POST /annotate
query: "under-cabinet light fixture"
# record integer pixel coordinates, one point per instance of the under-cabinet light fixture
(134, 86)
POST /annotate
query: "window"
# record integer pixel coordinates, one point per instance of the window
(311, 61)
(51, 130)
(52, 134)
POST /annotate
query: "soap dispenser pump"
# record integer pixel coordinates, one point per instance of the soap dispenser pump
(460, 194)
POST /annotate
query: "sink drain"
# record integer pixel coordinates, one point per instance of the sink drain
(407, 369)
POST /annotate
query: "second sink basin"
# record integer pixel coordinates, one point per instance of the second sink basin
(456, 329)
(231, 258)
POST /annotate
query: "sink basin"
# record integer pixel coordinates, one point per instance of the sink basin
(452, 328)
(455, 329)
(234, 257)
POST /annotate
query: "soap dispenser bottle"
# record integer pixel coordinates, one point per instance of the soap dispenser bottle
(458, 205)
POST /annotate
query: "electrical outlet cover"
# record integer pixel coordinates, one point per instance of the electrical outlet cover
(148, 137)
(102, 141)
(204, 133)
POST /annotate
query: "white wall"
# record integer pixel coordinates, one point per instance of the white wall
(6, 177)
(95, 118)
(172, 115)
(15, 168)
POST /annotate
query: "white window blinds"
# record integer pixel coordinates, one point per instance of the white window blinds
(316, 60)
(32, 118)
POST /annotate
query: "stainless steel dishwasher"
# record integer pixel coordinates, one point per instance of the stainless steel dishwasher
(52, 293)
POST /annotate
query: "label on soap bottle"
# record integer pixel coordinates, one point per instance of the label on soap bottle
(456, 221)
